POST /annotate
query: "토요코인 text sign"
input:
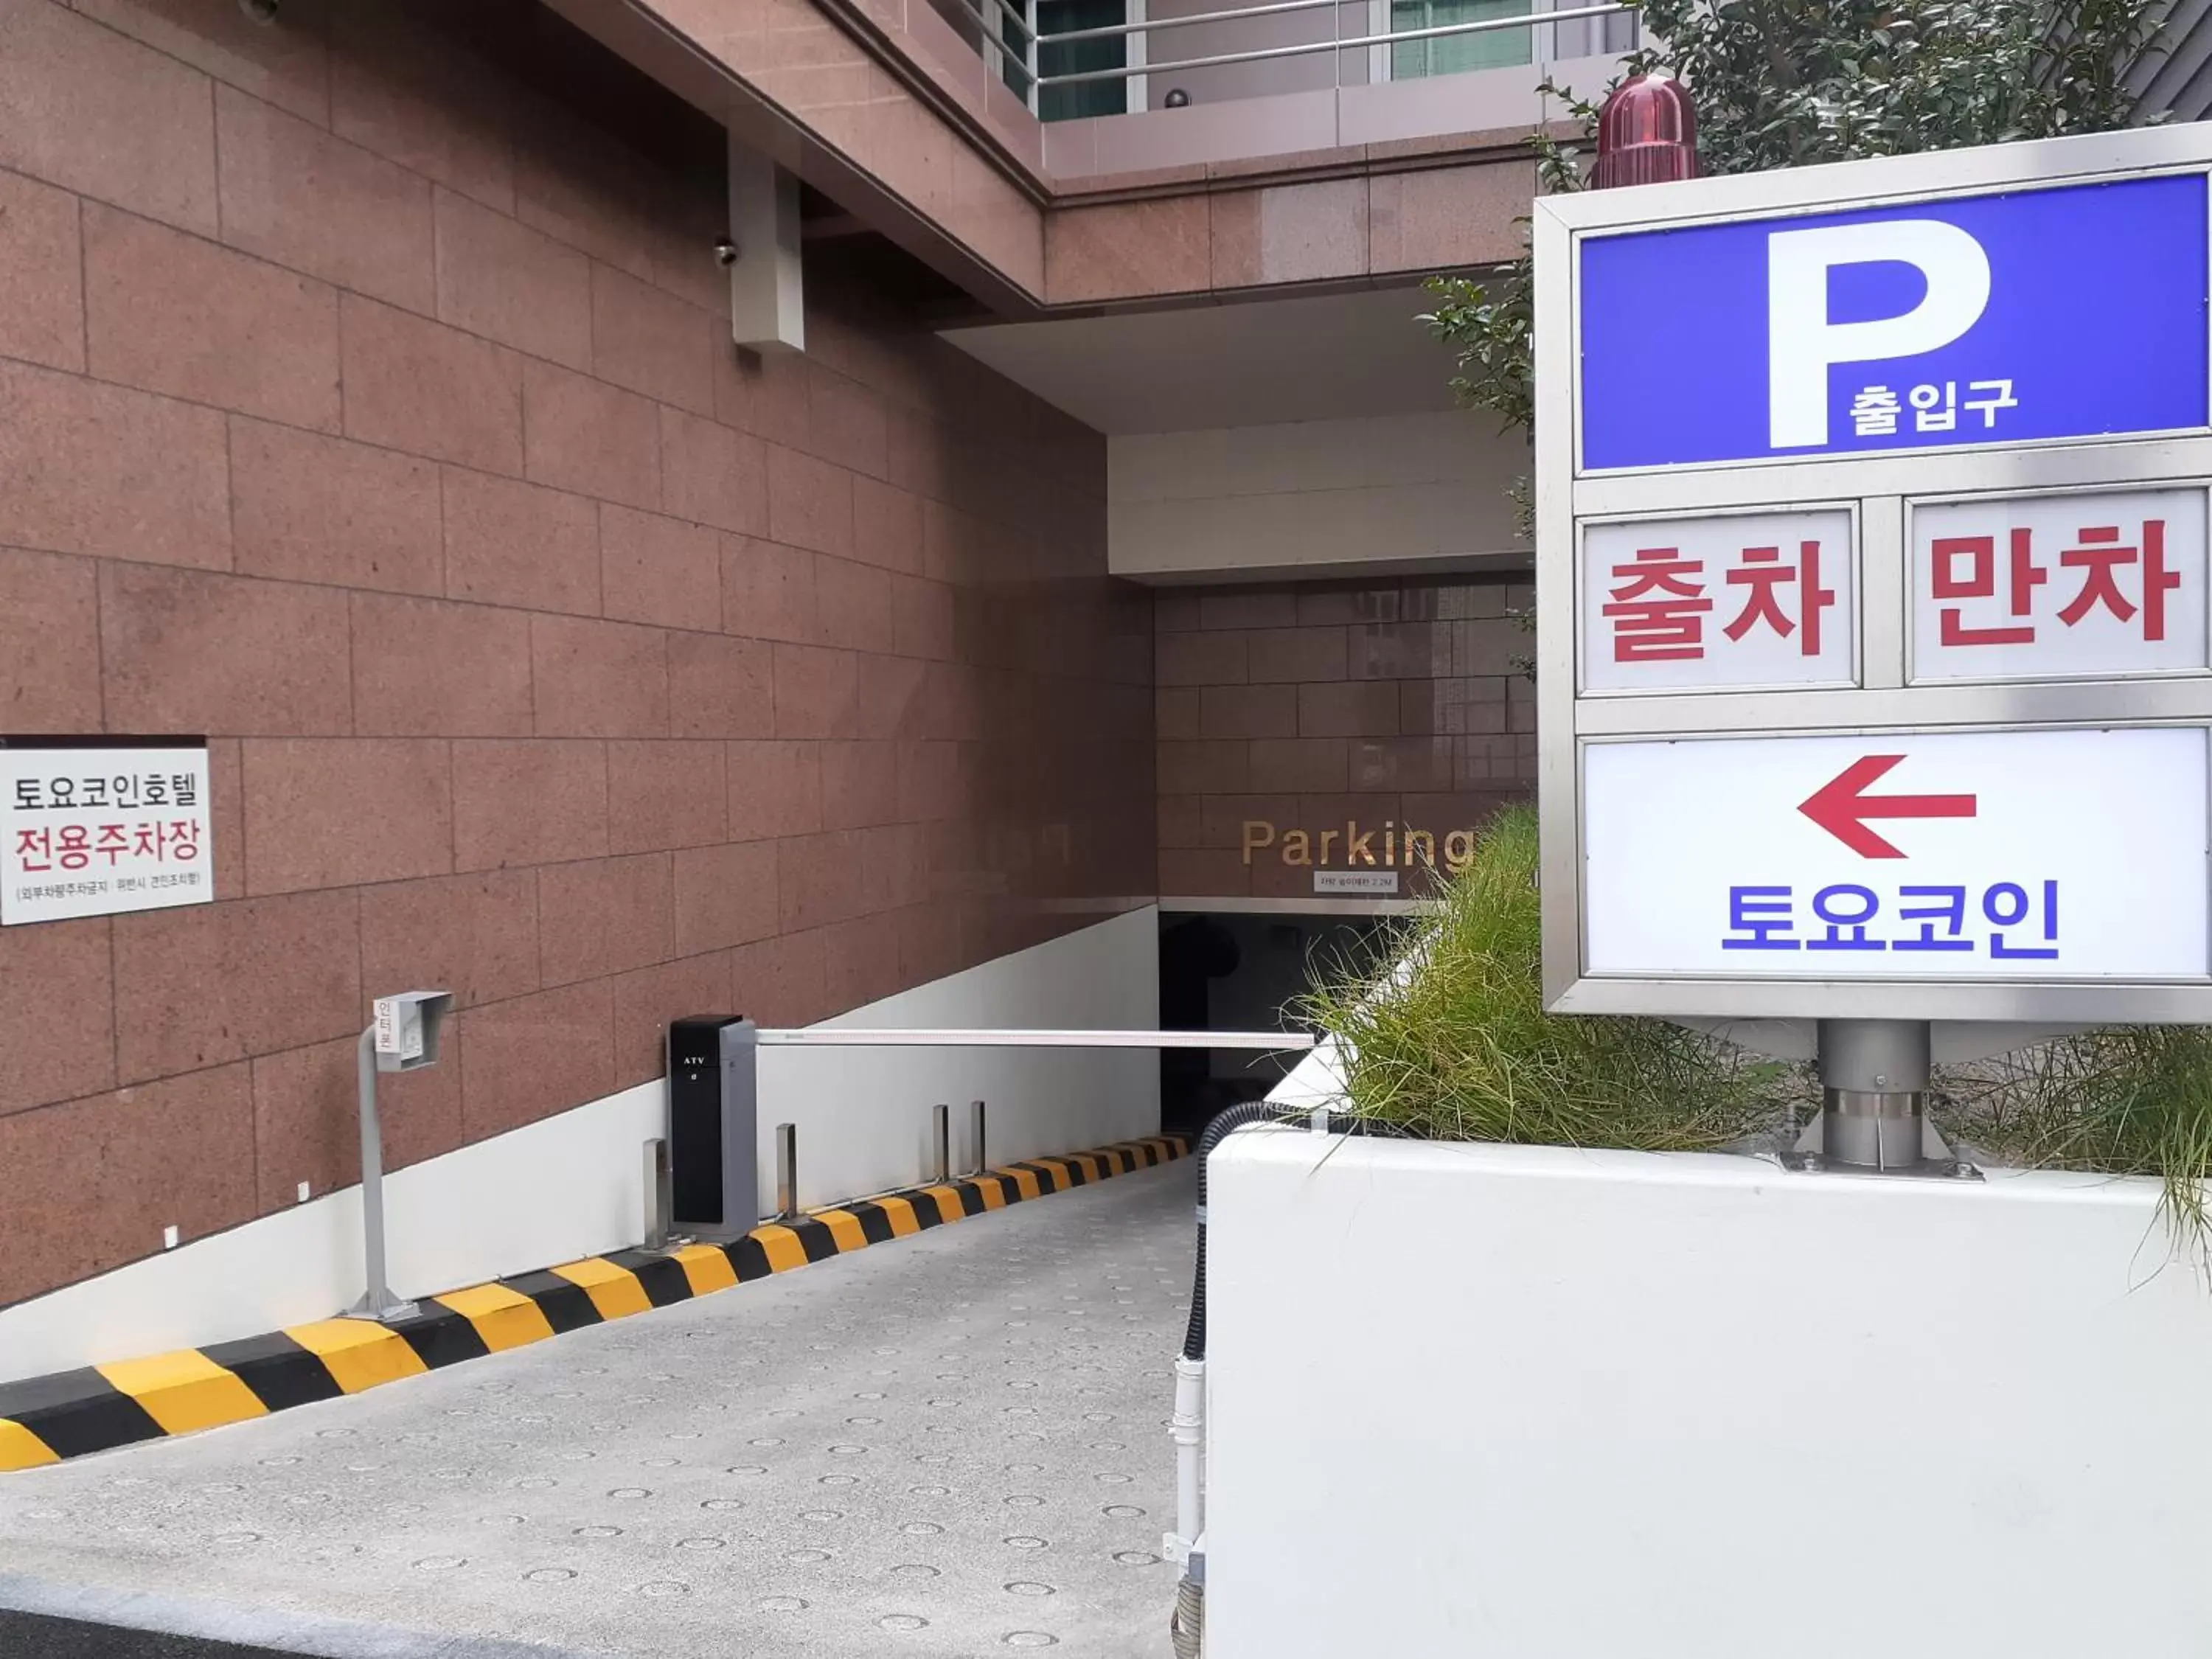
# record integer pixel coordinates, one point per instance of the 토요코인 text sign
(1875, 621)
(1954, 855)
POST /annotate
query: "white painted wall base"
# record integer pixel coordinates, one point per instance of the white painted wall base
(1535, 1403)
(863, 1114)
(572, 1185)
(550, 1192)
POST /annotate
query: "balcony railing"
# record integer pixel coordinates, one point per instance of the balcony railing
(1063, 62)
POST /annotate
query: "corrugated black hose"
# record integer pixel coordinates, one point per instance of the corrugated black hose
(1236, 1117)
(1186, 1626)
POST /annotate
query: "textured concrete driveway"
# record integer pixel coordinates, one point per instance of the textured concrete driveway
(952, 1445)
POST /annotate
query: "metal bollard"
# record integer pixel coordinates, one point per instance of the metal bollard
(787, 1172)
(658, 1191)
(941, 1135)
(377, 1302)
(975, 1132)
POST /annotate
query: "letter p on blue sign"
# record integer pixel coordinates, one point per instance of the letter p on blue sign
(1803, 342)
(2067, 312)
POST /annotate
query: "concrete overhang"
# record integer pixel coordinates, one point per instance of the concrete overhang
(883, 107)
(1308, 357)
(1309, 437)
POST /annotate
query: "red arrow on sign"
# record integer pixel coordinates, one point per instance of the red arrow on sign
(1841, 806)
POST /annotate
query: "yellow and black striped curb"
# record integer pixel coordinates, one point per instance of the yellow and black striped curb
(44, 1420)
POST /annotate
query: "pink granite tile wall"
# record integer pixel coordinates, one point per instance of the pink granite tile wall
(367, 405)
(1312, 708)
(1214, 234)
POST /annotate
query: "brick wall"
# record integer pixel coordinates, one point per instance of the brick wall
(1315, 705)
(369, 405)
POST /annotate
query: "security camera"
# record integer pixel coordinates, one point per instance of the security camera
(259, 11)
(725, 251)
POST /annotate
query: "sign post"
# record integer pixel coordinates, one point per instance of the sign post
(1875, 648)
(403, 1035)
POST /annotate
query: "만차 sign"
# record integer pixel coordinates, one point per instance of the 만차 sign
(92, 829)
(1874, 588)
(2060, 586)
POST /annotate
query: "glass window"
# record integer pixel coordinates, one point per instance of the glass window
(1084, 97)
(1449, 54)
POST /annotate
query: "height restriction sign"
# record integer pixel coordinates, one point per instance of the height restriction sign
(1875, 621)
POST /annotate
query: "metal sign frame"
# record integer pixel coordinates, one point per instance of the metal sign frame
(1881, 482)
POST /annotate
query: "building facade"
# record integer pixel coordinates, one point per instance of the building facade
(369, 406)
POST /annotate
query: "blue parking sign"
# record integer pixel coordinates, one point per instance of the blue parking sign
(2070, 312)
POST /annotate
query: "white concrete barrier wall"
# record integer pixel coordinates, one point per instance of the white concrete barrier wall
(1535, 1403)
(573, 1185)
(864, 1114)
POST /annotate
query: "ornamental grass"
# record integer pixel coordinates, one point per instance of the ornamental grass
(1446, 1038)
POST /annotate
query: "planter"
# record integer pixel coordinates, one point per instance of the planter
(1536, 1403)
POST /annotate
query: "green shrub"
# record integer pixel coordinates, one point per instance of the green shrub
(2123, 1100)
(1459, 1047)
(1447, 1038)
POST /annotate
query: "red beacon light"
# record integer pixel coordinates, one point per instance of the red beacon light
(1647, 133)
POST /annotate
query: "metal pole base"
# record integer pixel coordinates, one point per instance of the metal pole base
(384, 1310)
(1811, 1160)
(699, 1233)
(1874, 1105)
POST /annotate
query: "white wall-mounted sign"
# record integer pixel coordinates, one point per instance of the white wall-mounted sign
(2039, 855)
(2080, 585)
(399, 1027)
(1370, 882)
(1746, 600)
(92, 830)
